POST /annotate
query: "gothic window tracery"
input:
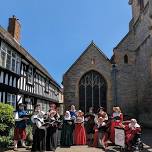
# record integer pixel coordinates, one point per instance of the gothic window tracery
(92, 91)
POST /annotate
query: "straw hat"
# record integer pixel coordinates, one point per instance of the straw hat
(80, 113)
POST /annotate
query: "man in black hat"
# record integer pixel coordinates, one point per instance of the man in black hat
(21, 117)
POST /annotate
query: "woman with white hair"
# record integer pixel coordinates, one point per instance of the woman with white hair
(67, 129)
(131, 130)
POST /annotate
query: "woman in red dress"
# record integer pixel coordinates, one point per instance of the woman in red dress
(131, 130)
(79, 131)
(117, 118)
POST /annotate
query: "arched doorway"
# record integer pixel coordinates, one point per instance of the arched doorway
(92, 91)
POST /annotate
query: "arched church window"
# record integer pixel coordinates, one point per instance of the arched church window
(92, 91)
(126, 59)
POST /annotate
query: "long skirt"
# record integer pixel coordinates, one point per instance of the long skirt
(79, 134)
(66, 136)
(51, 138)
(39, 140)
(100, 139)
(130, 134)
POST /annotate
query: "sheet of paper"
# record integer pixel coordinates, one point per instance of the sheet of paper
(120, 137)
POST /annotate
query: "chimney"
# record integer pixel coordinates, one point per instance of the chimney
(14, 28)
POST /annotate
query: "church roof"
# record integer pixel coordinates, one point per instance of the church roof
(91, 44)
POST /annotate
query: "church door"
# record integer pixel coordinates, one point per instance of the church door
(92, 91)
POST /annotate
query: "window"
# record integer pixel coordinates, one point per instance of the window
(30, 75)
(3, 46)
(47, 86)
(9, 59)
(11, 99)
(14, 82)
(13, 67)
(126, 59)
(3, 58)
(92, 91)
(18, 63)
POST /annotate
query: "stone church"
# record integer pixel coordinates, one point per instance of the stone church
(125, 80)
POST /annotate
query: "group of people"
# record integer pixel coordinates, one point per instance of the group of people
(76, 128)
(44, 127)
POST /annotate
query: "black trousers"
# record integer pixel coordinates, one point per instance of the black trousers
(39, 140)
(51, 138)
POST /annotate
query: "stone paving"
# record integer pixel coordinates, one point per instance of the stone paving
(146, 138)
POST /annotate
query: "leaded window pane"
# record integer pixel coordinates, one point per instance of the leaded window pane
(92, 91)
(8, 61)
(3, 57)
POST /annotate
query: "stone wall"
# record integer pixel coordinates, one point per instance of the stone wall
(134, 79)
(126, 75)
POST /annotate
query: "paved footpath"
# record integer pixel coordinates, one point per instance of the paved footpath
(146, 138)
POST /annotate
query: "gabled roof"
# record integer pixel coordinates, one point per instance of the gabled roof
(7, 37)
(90, 45)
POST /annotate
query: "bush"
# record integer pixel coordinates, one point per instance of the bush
(5, 141)
(29, 137)
(6, 123)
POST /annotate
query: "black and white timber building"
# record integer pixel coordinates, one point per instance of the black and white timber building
(22, 78)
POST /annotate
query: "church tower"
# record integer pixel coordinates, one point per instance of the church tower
(137, 8)
(141, 22)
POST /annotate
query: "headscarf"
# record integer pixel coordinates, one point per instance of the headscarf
(134, 124)
(67, 117)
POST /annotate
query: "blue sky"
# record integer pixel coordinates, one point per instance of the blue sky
(56, 32)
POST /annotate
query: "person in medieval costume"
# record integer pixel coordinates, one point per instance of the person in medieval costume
(89, 125)
(117, 118)
(103, 114)
(100, 136)
(79, 131)
(21, 117)
(52, 131)
(73, 112)
(39, 130)
(67, 129)
(131, 131)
